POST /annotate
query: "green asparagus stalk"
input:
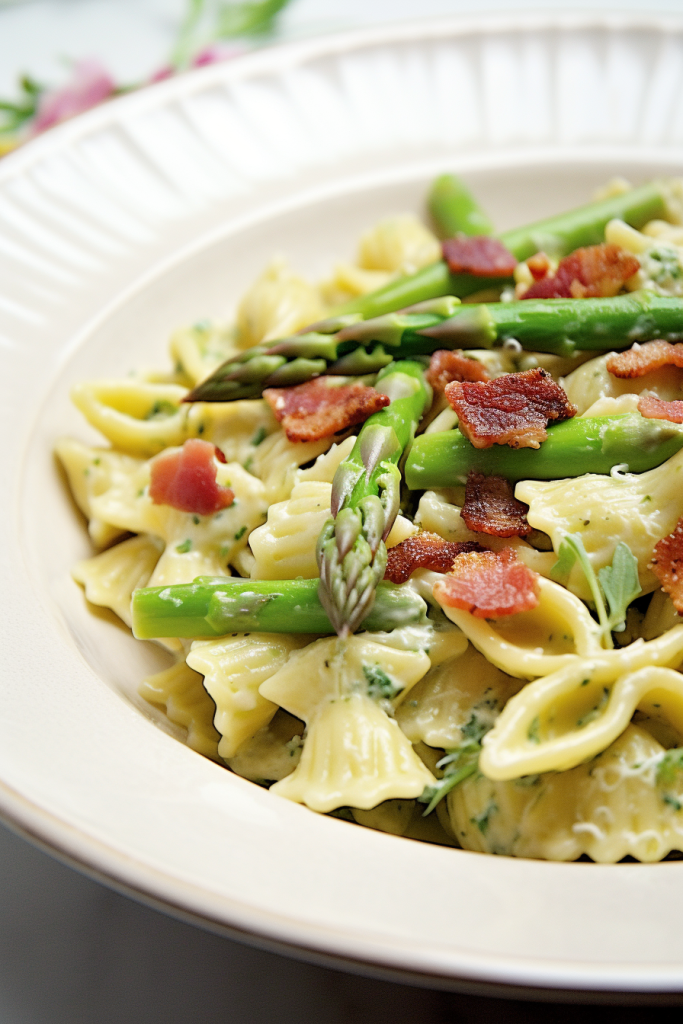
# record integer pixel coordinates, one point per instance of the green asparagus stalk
(556, 235)
(213, 606)
(351, 552)
(560, 326)
(573, 447)
(454, 209)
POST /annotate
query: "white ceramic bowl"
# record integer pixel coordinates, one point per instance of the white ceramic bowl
(158, 209)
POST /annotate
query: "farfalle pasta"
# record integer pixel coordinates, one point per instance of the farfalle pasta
(519, 690)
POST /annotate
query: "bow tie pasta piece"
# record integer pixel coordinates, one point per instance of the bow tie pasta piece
(327, 464)
(138, 418)
(180, 692)
(91, 472)
(354, 754)
(284, 547)
(111, 577)
(610, 807)
(277, 304)
(562, 719)
(237, 428)
(195, 545)
(332, 669)
(593, 381)
(271, 753)
(233, 669)
(143, 418)
(660, 617)
(277, 461)
(200, 349)
(458, 700)
(536, 642)
(639, 510)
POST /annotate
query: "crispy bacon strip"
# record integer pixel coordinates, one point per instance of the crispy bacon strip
(318, 409)
(654, 408)
(489, 585)
(643, 359)
(186, 479)
(667, 565)
(446, 366)
(478, 255)
(491, 507)
(513, 409)
(539, 266)
(424, 551)
(596, 270)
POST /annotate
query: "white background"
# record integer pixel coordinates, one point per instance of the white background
(71, 951)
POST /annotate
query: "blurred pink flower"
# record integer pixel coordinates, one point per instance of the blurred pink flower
(215, 53)
(162, 74)
(90, 83)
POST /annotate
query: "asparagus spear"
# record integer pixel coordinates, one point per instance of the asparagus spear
(573, 447)
(542, 325)
(556, 235)
(365, 500)
(453, 208)
(213, 606)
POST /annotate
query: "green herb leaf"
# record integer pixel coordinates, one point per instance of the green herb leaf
(380, 685)
(620, 585)
(669, 767)
(618, 582)
(459, 764)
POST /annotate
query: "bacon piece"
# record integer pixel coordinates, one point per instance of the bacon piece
(446, 366)
(654, 408)
(491, 507)
(643, 359)
(186, 480)
(513, 409)
(489, 584)
(424, 551)
(538, 265)
(667, 565)
(597, 270)
(318, 409)
(479, 255)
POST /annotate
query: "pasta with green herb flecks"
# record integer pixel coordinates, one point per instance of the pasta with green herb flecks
(364, 621)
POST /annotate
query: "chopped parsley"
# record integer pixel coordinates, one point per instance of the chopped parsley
(240, 533)
(183, 548)
(161, 409)
(483, 820)
(380, 685)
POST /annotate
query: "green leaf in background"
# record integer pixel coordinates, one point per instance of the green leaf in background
(248, 19)
(14, 115)
(216, 21)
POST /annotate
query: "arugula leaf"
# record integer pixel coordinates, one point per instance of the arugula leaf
(618, 582)
(620, 585)
(571, 550)
(459, 764)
